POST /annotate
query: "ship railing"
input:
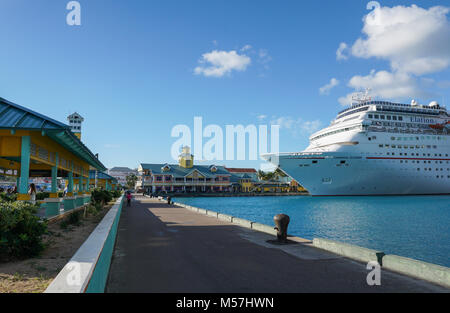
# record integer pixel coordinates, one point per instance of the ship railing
(407, 131)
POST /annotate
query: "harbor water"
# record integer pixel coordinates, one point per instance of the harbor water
(417, 227)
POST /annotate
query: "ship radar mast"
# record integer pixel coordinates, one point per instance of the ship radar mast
(361, 97)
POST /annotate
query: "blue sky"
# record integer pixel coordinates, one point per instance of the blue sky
(130, 68)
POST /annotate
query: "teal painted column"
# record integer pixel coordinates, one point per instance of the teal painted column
(80, 184)
(106, 185)
(55, 175)
(53, 204)
(70, 184)
(22, 188)
(69, 200)
(80, 199)
(88, 195)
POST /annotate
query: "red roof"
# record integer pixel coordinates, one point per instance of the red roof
(241, 170)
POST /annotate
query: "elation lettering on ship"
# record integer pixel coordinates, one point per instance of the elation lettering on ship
(415, 119)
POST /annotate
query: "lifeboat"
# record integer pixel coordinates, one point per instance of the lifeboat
(440, 126)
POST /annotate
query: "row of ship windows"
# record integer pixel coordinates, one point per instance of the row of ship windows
(336, 132)
(386, 117)
(419, 138)
(413, 147)
(425, 162)
(344, 163)
(352, 112)
(400, 124)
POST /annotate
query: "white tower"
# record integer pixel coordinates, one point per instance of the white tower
(75, 121)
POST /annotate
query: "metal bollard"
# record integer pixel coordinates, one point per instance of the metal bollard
(281, 225)
(169, 200)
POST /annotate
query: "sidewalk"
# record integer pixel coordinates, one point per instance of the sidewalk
(170, 249)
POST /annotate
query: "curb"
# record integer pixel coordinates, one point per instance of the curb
(87, 271)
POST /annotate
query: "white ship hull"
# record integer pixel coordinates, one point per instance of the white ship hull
(375, 148)
(360, 176)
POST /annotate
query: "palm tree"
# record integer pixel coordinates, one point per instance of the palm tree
(261, 175)
(279, 173)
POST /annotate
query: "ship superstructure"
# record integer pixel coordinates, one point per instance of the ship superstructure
(376, 148)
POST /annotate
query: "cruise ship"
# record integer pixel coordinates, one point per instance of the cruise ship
(376, 148)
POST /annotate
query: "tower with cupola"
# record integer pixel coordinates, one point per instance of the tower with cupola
(186, 159)
(75, 122)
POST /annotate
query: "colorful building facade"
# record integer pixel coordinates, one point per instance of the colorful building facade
(184, 177)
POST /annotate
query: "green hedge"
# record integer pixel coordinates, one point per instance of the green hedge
(8, 197)
(42, 195)
(104, 196)
(21, 230)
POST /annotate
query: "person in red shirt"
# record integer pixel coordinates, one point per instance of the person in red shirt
(129, 196)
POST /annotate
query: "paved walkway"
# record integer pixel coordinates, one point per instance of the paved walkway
(163, 248)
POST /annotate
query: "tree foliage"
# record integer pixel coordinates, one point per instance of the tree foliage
(131, 181)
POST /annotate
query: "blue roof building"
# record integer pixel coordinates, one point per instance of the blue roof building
(185, 176)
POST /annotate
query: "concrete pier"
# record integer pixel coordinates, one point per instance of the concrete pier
(162, 248)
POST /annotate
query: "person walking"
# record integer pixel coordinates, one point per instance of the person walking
(129, 198)
(32, 193)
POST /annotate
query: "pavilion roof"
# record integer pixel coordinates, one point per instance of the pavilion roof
(16, 117)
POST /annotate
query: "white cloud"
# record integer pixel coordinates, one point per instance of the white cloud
(389, 85)
(325, 90)
(261, 117)
(345, 101)
(246, 47)
(219, 63)
(340, 53)
(296, 126)
(415, 41)
(267, 167)
(310, 126)
(286, 122)
(264, 56)
(386, 84)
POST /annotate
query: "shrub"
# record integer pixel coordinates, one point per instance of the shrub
(21, 230)
(42, 195)
(101, 196)
(8, 197)
(116, 193)
(93, 210)
(74, 218)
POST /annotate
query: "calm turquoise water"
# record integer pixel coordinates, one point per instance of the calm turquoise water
(416, 227)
